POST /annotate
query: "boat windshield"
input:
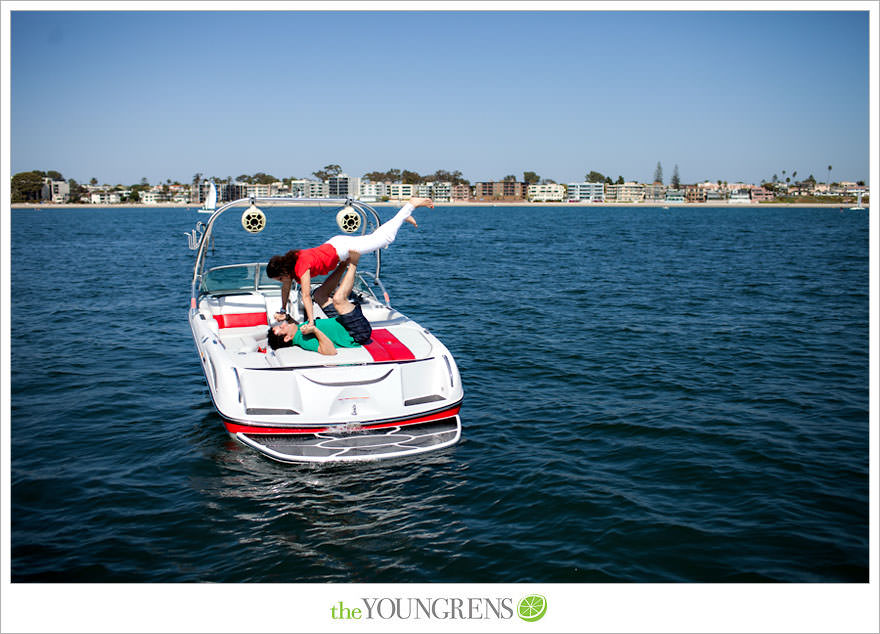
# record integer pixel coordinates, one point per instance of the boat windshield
(238, 277)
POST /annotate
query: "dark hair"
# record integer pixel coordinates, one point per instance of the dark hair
(277, 341)
(282, 264)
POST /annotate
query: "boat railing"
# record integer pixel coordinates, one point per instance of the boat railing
(202, 235)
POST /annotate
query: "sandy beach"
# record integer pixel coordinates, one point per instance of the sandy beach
(457, 203)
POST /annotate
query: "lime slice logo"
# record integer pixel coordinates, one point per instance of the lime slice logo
(532, 608)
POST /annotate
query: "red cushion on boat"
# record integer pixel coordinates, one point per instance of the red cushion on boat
(241, 320)
(383, 346)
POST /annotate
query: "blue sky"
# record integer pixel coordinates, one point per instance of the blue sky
(724, 95)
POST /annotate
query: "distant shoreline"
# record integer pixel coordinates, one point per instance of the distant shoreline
(51, 206)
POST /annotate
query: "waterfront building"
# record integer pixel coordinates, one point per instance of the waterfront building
(586, 192)
(401, 191)
(674, 195)
(371, 192)
(439, 191)
(739, 197)
(303, 188)
(655, 193)
(695, 194)
(625, 193)
(257, 190)
(344, 186)
(56, 191)
(461, 192)
(759, 194)
(150, 197)
(501, 190)
(104, 197)
(549, 192)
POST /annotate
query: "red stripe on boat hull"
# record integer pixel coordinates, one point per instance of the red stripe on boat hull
(234, 428)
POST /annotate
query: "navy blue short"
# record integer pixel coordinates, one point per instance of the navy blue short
(356, 325)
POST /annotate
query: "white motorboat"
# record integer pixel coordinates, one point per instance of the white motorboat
(399, 394)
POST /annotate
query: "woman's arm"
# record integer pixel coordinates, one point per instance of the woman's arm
(285, 294)
(305, 287)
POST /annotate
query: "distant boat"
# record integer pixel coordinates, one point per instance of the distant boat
(858, 206)
(211, 201)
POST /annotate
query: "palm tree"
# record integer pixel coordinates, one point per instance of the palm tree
(829, 179)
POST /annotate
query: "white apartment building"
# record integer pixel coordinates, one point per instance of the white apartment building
(440, 191)
(258, 190)
(104, 198)
(549, 192)
(309, 189)
(674, 195)
(150, 197)
(401, 191)
(628, 192)
(371, 192)
(344, 186)
(586, 192)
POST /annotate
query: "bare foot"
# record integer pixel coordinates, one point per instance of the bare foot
(422, 202)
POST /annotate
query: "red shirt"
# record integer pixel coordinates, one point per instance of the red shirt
(318, 261)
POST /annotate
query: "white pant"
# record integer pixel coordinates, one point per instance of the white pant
(379, 239)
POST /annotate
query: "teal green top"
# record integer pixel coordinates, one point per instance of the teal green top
(335, 332)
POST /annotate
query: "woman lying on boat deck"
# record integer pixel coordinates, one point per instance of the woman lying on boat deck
(349, 329)
(336, 252)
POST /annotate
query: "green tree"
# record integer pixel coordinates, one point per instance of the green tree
(531, 178)
(620, 180)
(509, 177)
(676, 179)
(26, 186)
(54, 175)
(446, 176)
(392, 175)
(595, 177)
(264, 179)
(328, 172)
(77, 191)
(829, 176)
(658, 174)
(410, 178)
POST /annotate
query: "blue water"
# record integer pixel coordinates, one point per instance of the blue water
(650, 396)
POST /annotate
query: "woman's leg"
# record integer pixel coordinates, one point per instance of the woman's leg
(379, 239)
